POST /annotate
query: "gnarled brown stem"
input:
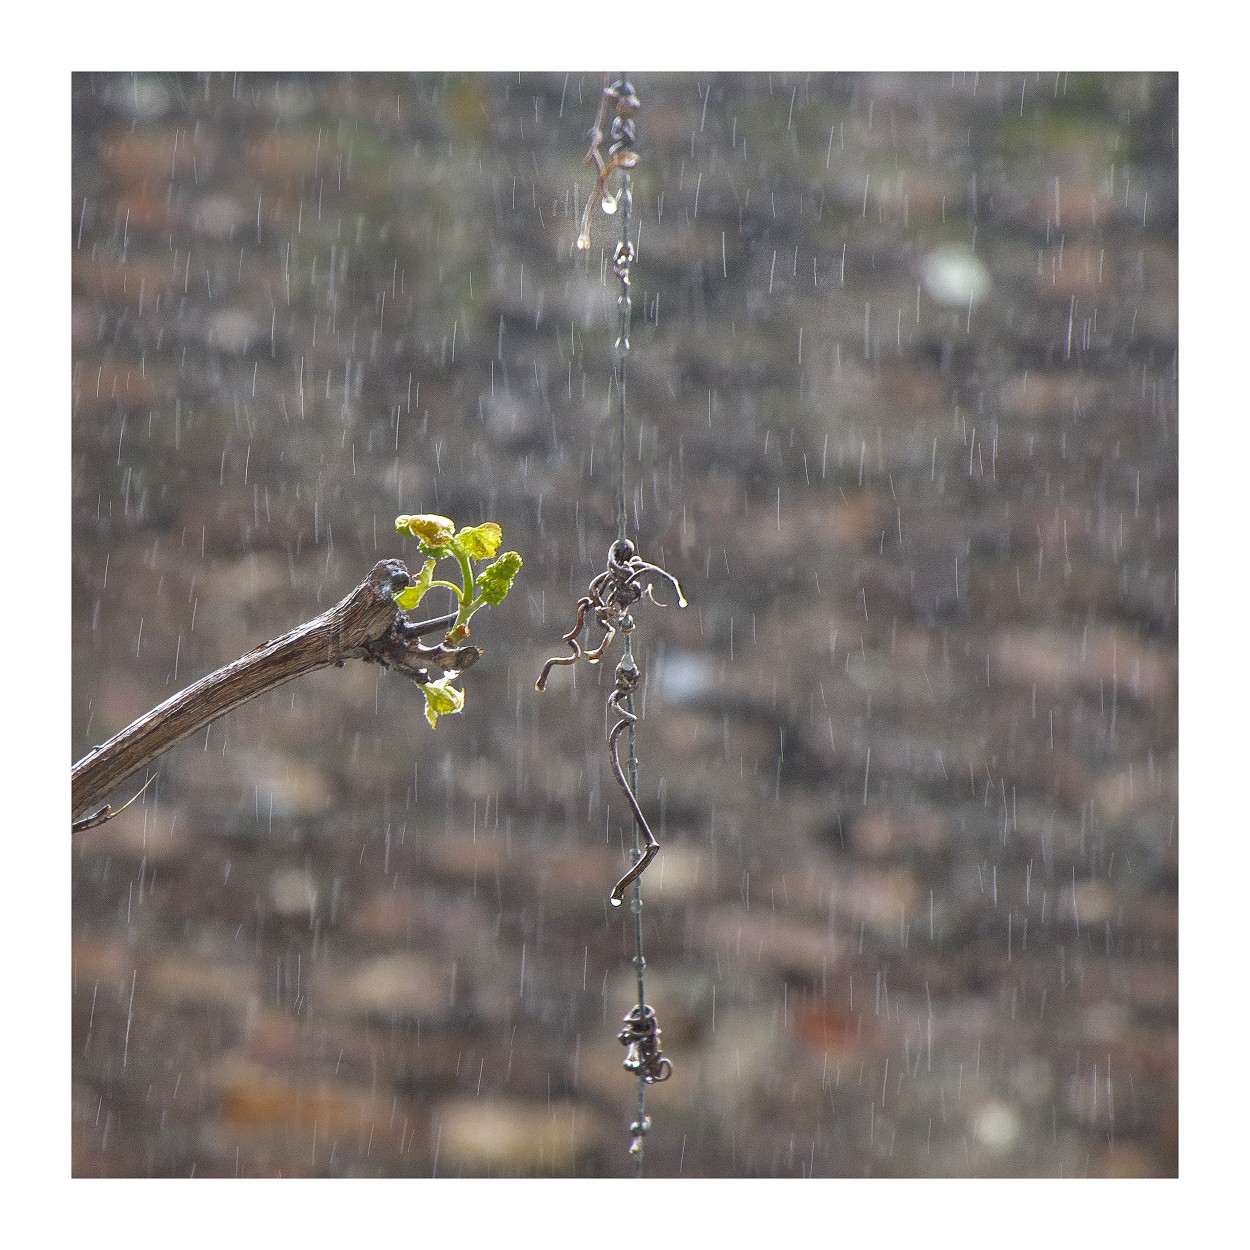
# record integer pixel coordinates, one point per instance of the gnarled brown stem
(366, 625)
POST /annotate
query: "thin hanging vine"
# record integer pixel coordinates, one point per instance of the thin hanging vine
(627, 579)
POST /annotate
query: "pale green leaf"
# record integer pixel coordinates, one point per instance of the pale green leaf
(441, 699)
(413, 594)
(479, 542)
(430, 529)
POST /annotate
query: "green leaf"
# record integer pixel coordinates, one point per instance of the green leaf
(412, 595)
(431, 530)
(495, 580)
(479, 542)
(441, 699)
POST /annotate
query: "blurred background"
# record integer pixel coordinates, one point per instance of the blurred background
(903, 420)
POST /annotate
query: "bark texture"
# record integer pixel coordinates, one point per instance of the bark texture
(365, 625)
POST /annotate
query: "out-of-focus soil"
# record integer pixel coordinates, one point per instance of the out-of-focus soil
(903, 419)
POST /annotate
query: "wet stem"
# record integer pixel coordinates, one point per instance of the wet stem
(464, 595)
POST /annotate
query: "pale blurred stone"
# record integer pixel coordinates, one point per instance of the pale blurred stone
(470, 857)
(1124, 1161)
(764, 937)
(680, 873)
(194, 980)
(1107, 1022)
(293, 893)
(387, 916)
(1073, 271)
(285, 785)
(220, 215)
(1055, 658)
(104, 960)
(739, 1059)
(1034, 1080)
(141, 96)
(256, 1099)
(232, 330)
(1086, 902)
(1035, 394)
(684, 676)
(289, 99)
(400, 984)
(996, 1126)
(480, 779)
(881, 899)
(885, 833)
(955, 276)
(480, 1135)
(1138, 788)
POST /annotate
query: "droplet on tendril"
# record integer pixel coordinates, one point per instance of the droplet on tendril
(608, 204)
(583, 242)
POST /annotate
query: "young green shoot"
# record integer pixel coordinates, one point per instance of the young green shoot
(481, 583)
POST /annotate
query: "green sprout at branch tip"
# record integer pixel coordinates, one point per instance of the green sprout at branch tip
(439, 539)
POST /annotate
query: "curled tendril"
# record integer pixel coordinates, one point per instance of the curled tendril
(626, 684)
(571, 639)
(622, 160)
(621, 97)
(627, 579)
